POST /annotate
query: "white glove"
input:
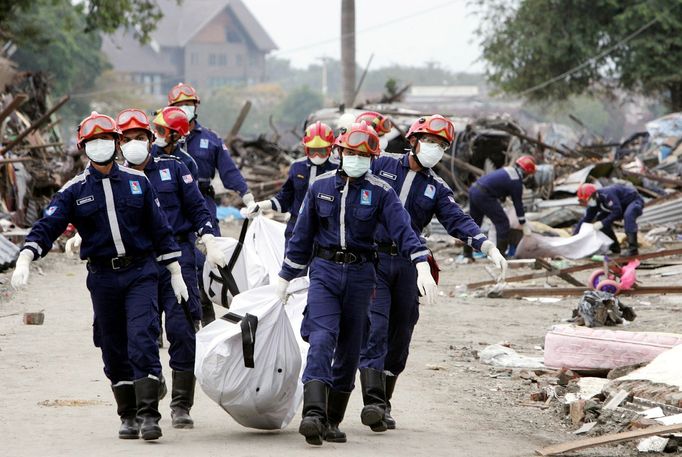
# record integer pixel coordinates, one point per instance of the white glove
(249, 202)
(21, 271)
(282, 286)
(527, 229)
(214, 255)
(495, 256)
(597, 226)
(177, 283)
(427, 287)
(73, 245)
(264, 205)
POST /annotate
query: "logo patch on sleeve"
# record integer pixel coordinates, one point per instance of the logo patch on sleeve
(329, 198)
(203, 143)
(135, 188)
(187, 179)
(50, 211)
(365, 197)
(165, 174)
(430, 191)
(388, 175)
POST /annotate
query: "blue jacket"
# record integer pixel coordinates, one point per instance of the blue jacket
(343, 214)
(502, 183)
(116, 215)
(180, 153)
(611, 204)
(424, 194)
(211, 154)
(179, 195)
(301, 173)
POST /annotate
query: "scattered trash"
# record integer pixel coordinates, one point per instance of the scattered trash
(598, 309)
(502, 356)
(34, 318)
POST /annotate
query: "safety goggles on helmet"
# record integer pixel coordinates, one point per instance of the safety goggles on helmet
(377, 121)
(318, 152)
(132, 119)
(160, 130)
(91, 125)
(440, 126)
(182, 92)
(361, 141)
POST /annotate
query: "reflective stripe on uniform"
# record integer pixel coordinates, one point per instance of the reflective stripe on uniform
(113, 219)
(342, 228)
(407, 185)
(170, 255)
(34, 245)
(276, 204)
(423, 253)
(298, 266)
(313, 174)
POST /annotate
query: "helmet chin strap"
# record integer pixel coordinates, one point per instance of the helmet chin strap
(416, 158)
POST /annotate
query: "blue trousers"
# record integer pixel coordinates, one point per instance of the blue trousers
(481, 204)
(126, 326)
(394, 312)
(335, 321)
(178, 329)
(630, 215)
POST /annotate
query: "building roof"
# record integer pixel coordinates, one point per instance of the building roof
(127, 55)
(180, 23)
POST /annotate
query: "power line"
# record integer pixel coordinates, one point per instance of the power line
(590, 60)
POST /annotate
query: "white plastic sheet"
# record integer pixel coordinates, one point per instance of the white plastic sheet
(585, 243)
(268, 395)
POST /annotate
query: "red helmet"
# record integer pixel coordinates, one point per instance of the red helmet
(94, 125)
(172, 118)
(585, 191)
(360, 138)
(435, 125)
(527, 164)
(182, 92)
(318, 135)
(133, 118)
(380, 123)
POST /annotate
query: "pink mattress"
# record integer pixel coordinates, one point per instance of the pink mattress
(582, 348)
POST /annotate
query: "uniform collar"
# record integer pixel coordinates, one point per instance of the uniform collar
(151, 165)
(197, 127)
(340, 180)
(114, 174)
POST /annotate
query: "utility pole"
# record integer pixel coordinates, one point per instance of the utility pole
(325, 87)
(348, 50)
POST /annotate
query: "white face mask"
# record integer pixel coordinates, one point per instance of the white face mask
(189, 110)
(100, 150)
(429, 154)
(135, 151)
(383, 142)
(160, 142)
(317, 160)
(356, 166)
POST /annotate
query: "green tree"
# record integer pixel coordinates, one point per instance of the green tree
(297, 105)
(552, 49)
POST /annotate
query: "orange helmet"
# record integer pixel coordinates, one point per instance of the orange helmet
(133, 118)
(380, 123)
(318, 135)
(94, 125)
(172, 118)
(434, 125)
(585, 191)
(360, 138)
(182, 92)
(527, 164)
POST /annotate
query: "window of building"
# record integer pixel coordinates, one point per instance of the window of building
(212, 59)
(222, 60)
(253, 60)
(232, 36)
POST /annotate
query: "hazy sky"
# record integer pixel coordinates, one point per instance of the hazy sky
(396, 31)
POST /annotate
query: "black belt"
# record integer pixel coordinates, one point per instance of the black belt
(206, 189)
(388, 248)
(345, 255)
(117, 263)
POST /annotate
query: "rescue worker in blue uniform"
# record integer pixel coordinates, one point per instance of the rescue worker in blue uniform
(335, 234)
(610, 204)
(395, 307)
(317, 143)
(485, 195)
(186, 211)
(117, 214)
(211, 155)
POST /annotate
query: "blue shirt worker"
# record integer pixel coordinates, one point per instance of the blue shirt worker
(485, 195)
(211, 155)
(117, 214)
(335, 234)
(317, 144)
(187, 213)
(610, 204)
(395, 307)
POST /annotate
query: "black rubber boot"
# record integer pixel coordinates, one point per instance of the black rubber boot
(126, 407)
(147, 393)
(336, 409)
(390, 387)
(374, 397)
(314, 422)
(182, 399)
(468, 253)
(502, 245)
(633, 245)
(163, 388)
(207, 311)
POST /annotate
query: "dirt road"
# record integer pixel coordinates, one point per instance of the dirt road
(56, 401)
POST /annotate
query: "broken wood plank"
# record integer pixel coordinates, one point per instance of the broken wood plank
(587, 266)
(616, 400)
(241, 117)
(563, 275)
(577, 291)
(607, 439)
(653, 177)
(35, 125)
(16, 102)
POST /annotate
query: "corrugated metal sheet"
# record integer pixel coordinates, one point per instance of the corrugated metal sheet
(669, 212)
(8, 253)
